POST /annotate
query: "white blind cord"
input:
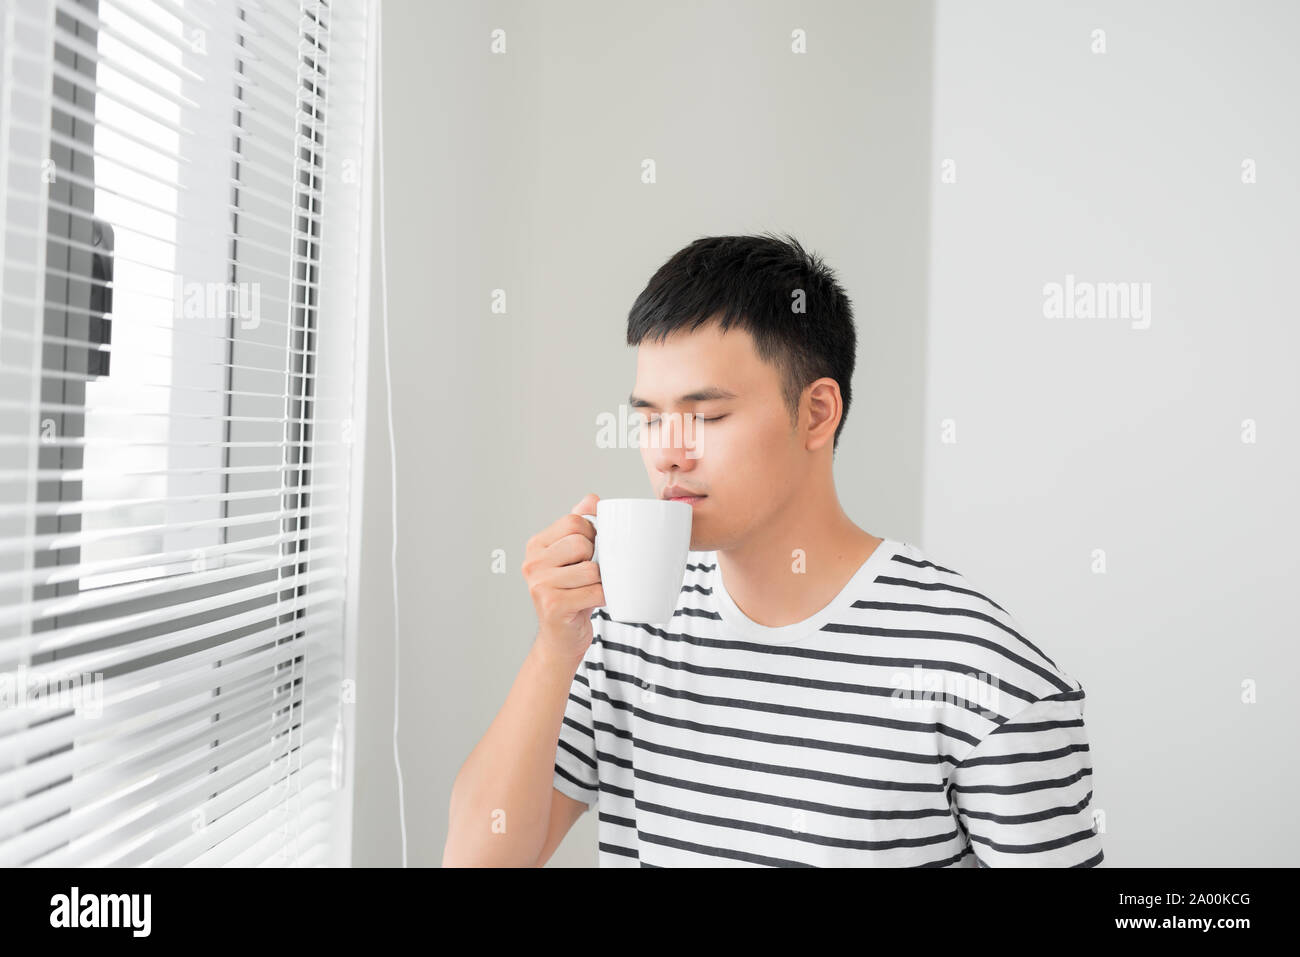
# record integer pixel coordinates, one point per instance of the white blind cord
(388, 388)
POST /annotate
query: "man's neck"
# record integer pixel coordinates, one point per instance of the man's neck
(798, 564)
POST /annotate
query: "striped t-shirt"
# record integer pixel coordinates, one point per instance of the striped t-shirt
(909, 723)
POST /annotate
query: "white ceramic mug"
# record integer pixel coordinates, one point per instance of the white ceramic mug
(641, 548)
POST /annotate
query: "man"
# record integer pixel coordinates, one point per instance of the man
(822, 696)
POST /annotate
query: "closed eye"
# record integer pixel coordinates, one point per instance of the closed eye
(698, 418)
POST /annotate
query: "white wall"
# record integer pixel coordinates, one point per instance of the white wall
(521, 172)
(1082, 434)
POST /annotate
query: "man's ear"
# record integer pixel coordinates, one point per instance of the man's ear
(825, 408)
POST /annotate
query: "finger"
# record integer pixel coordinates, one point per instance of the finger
(578, 575)
(569, 549)
(570, 524)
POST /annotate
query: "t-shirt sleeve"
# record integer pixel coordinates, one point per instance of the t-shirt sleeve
(1024, 793)
(575, 752)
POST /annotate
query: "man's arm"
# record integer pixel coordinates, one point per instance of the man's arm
(565, 812)
(501, 801)
(505, 810)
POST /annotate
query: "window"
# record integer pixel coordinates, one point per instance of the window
(181, 356)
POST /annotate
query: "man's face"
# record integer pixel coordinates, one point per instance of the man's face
(748, 462)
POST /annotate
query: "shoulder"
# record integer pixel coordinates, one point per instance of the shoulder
(963, 627)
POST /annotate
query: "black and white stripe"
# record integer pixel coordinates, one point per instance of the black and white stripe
(717, 742)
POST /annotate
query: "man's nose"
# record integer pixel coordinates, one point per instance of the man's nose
(675, 442)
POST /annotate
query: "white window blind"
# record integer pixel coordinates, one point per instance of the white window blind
(185, 208)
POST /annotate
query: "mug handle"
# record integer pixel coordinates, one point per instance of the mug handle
(595, 552)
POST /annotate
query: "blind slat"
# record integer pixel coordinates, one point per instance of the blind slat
(227, 746)
(135, 696)
(226, 715)
(58, 638)
(58, 540)
(133, 591)
(258, 788)
(249, 820)
(232, 551)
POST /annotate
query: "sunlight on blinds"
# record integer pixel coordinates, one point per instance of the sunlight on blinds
(136, 187)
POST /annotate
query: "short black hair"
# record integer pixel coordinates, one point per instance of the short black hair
(751, 282)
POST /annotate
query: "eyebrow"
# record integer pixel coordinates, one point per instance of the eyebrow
(700, 395)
